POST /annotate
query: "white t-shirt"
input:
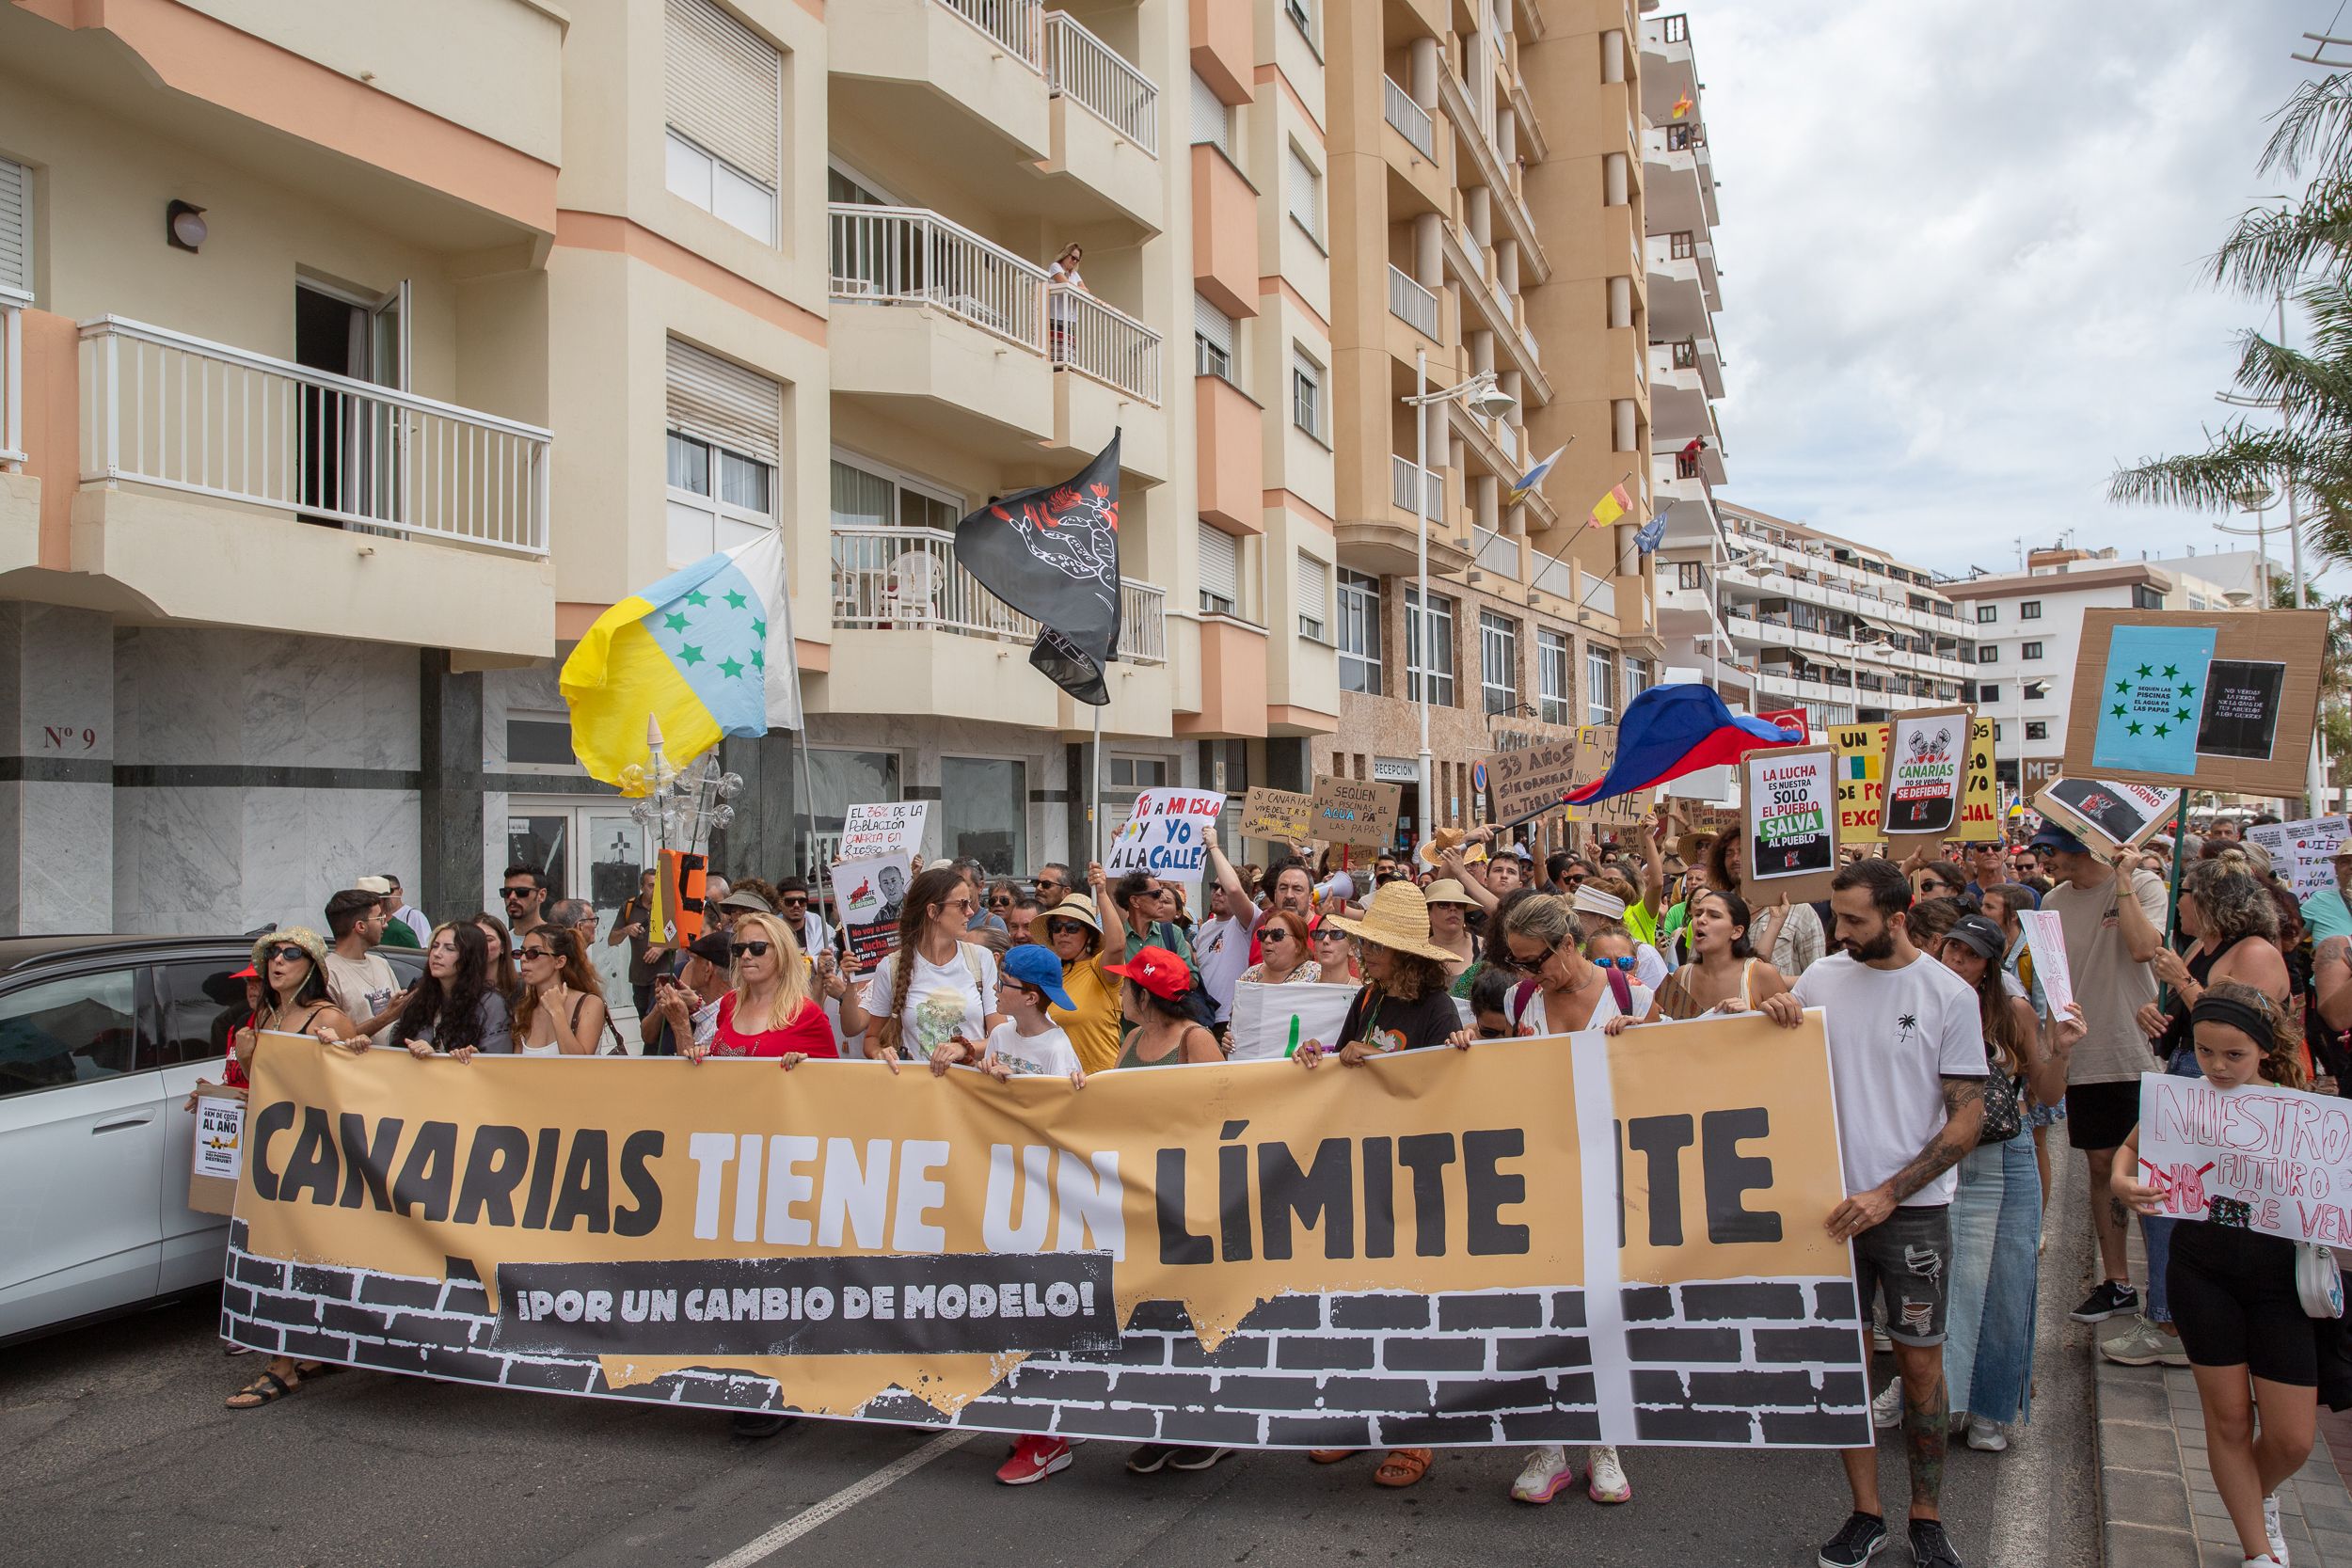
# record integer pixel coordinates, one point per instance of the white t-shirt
(1220, 951)
(1047, 1056)
(943, 1000)
(1648, 967)
(1539, 1010)
(360, 987)
(1894, 1036)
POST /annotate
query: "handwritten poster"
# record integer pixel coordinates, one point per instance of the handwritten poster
(1790, 808)
(1529, 780)
(1167, 836)
(2258, 1157)
(1358, 812)
(2303, 852)
(887, 828)
(1280, 815)
(1924, 755)
(2047, 940)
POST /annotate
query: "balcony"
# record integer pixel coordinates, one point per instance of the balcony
(1487, 305)
(1411, 121)
(1401, 473)
(912, 255)
(908, 580)
(1472, 147)
(1412, 304)
(1090, 73)
(1104, 342)
(1677, 406)
(1679, 178)
(1680, 305)
(12, 306)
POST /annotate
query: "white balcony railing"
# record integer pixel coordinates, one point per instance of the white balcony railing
(1105, 342)
(1412, 304)
(162, 409)
(1499, 554)
(1018, 24)
(908, 580)
(1401, 473)
(912, 256)
(13, 304)
(1411, 121)
(1089, 72)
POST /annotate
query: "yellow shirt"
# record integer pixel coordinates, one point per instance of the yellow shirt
(1093, 1024)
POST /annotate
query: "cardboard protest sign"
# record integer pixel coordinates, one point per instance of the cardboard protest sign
(2303, 852)
(845, 1242)
(872, 893)
(2106, 814)
(1596, 753)
(1269, 1022)
(1529, 780)
(1357, 812)
(2046, 941)
(887, 828)
(1167, 836)
(2221, 700)
(1280, 815)
(1920, 775)
(2258, 1157)
(218, 1157)
(1861, 762)
(1789, 824)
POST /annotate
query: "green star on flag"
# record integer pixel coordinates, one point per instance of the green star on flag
(2188, 691)
(676, 621)
(736, 601)
(759, 658)
(2163, 730)
(759, 631)
(2122, 687)
(692, 655)
(698, 598)
(2171, 672)
(2180, 715)
(730, 668)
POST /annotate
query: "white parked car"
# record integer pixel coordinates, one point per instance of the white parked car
(101, 1039)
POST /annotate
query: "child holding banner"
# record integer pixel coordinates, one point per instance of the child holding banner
(2250, 1342)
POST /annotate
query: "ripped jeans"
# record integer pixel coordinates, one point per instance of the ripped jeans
(1905, 1260)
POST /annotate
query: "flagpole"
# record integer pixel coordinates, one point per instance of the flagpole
(1426, 809)
(824, 868)
(1094, 790)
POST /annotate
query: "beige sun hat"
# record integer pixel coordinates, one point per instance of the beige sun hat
(1398, 919)
(299, 936)
(1077, 907)
(1445, 889)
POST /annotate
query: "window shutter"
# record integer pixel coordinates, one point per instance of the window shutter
(724, 89)
(1303, 181)
(715, 400)
(16, 227)
(1311, 577)
(1220, 563)
(1212, 122)
(1213, 325)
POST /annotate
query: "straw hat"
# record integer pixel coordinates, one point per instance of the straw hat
(299, 936)
(1432, 848)
(1077, 907)
(1398, 919)
(1445, 889)
(1691, 848)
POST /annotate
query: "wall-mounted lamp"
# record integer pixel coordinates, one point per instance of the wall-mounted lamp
(184, 225)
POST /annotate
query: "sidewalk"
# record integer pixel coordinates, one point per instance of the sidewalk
(2156, 1496)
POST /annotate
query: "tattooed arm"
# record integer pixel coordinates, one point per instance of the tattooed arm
(1964, 1115)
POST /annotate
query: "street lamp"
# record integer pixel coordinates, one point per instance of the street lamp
(1483, 397)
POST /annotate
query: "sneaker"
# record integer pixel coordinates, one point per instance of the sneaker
(2109, 1300)
(1986, 1436)
(2270, 1528)
(1606, 1482)
(2144, 1344)
(1855, 1544)
(1034, 1459)
(1880, 1343)
(1930, 1547)
(1151, 1458)
(1196, 1458)
(758, 1424)
(1886, 1411)
(1546, 1475)
(2266, 1560)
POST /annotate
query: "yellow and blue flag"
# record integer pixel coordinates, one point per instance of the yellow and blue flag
(1528, 483)
(707, 651)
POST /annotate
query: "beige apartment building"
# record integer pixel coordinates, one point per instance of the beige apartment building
(358, 356)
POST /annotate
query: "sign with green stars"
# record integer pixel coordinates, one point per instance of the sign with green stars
(2149, 701)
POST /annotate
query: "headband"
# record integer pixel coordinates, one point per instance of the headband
(2244, 1017)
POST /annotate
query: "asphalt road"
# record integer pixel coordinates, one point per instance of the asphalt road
(118, 1452)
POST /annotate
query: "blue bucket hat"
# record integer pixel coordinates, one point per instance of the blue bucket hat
(1037, 966)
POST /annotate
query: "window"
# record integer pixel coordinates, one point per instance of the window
(2145, 597)
(1691, 574)
(203, 1003)
(2197, 601)
(1552, 676)
(868, 496)
(2031, 650)
(1988, 694)
(1987, 614)
(16, 227)
(1988, 652)
(67, 1031)
(723, 98)
(1212, 340)
(725, 430)
(1497, 662)
(1312, 576)
(1600, 685)
(1304, 190)
(1302, 15)
(2037, 729)
(1680, 246)
(1359, 632)
(1998, 728)
(1636, 677)
(1439, 669)
(1212, 117)
(1136, 773)
(1306, 394)
(540, 742)
(985, 812)
(1220, 571)
(841, 779)
(2029, 609)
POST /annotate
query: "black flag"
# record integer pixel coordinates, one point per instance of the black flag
(1053, 553)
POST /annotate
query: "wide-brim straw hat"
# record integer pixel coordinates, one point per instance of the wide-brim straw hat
(1077, 907)
(1445, 889)
(1398, 919)
(1691, 848)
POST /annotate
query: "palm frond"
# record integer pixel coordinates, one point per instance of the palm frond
(2314, 127)
(2270, 250)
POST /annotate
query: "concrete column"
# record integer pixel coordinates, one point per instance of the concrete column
(1480, 201)
(1486, 497)
(1621, 416)
(1421, 80)
(1507, 264)
(1621, 302)
(1429, 250)
(1614, 179)
(1613, 55)
(452, 872)
(761, 841)
(1507, 136)
(1482, 350)
(58, 810)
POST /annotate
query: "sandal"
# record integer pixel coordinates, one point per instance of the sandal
(1403, 1467)
(267, 1390)
(1331, 1456)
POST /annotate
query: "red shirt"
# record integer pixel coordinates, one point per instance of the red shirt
(809, 1032)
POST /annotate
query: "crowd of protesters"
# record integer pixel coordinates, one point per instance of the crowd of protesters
(1952, 1072)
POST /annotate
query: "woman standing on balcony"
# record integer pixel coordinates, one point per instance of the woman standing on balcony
(1058, 310)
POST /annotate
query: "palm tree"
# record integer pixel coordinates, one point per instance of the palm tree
(2303, 249)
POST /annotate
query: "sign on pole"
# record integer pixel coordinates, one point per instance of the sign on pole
(1789, 824)
(1529, 780)
(1862, 757)
(2303, 852)
(1279, 815)
(887, 828)
(2108, 812)
(1166, 834)
(1920, 776)
(2214, 700)
(1356, 811)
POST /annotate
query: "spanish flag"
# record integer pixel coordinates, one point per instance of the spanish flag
(1611, 506)
(1683, 104)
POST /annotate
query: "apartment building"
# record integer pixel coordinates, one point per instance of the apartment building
(358, 357)
(1488, 202)
(1779, 615)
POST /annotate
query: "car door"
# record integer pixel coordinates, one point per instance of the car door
(81, 1150)
(197, 1003)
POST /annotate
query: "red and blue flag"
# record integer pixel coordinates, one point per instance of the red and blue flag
(1671, 730)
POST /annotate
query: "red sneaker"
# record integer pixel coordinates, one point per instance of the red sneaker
(1034, 1459)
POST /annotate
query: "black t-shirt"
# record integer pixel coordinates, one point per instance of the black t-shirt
(1389, 1023)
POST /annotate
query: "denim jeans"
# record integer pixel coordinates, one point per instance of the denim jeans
(2156, 1231)
(1996, 1232)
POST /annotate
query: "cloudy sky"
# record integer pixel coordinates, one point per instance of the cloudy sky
(1962, 248)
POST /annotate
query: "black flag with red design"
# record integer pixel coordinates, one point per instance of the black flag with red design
(1053, 553)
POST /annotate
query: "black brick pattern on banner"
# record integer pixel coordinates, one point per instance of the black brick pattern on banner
(1767, 1362)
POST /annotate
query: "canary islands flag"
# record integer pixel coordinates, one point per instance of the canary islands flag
(1531, 481)
(707, 651)
(1611, 506)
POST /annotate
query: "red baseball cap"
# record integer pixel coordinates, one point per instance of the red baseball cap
(248, 973)
(1157, 970)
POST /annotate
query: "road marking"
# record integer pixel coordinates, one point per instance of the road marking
(761, 1547)
(2021, 1528)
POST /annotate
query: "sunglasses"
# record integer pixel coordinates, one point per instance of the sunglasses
(1278, 934)
(1517, 962)
(516, 892)
(793, 898)
(1044, 886)
(1000, 903)
(1625, 964)
(1929, 885)
(751, 949)
(1064, 927)
(290, 953)
(533, 953)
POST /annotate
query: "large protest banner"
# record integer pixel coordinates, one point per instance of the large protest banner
(2259, 1157)
(1425, 1250)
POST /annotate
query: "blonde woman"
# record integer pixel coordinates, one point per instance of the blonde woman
(770, 1011)
(562, 1012)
